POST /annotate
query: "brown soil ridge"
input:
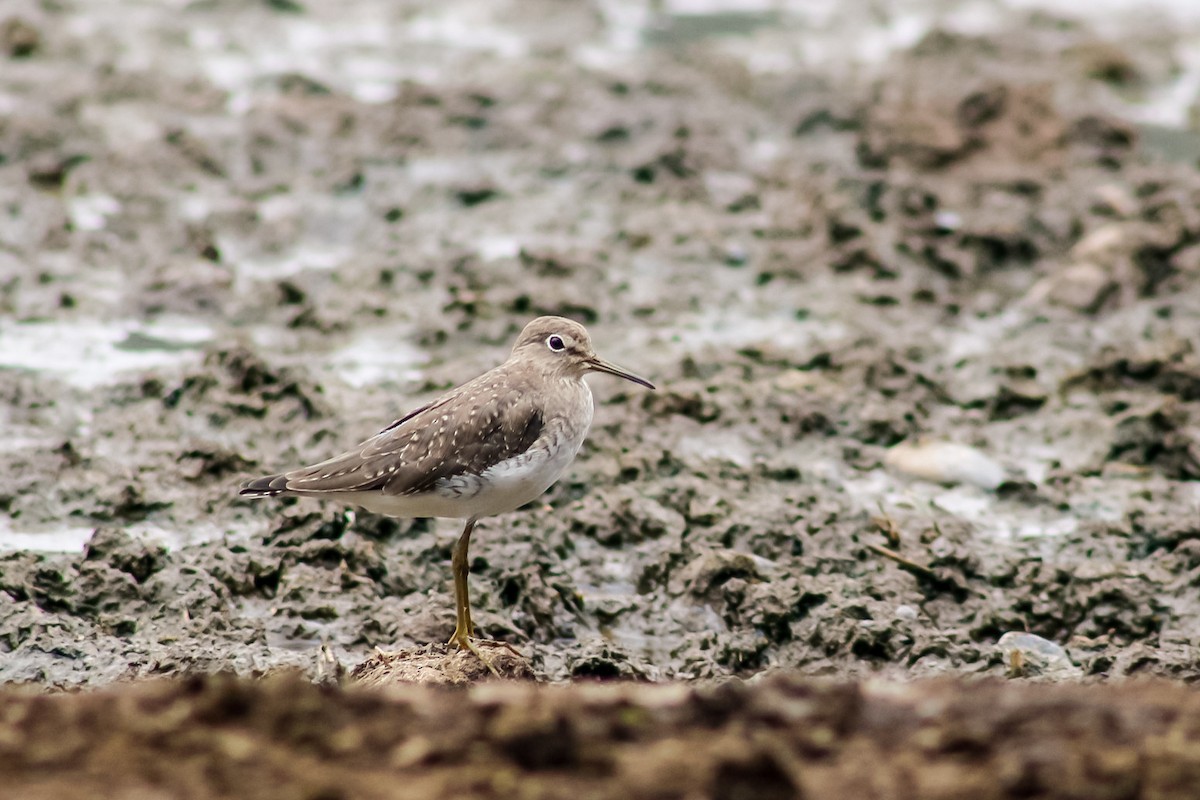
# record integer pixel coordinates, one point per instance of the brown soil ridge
(782, 737)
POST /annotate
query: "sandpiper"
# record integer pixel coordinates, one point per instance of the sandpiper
(489, 446)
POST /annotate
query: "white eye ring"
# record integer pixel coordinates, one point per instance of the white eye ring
(555, 343)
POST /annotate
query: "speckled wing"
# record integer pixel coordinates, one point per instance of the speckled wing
(463, 433)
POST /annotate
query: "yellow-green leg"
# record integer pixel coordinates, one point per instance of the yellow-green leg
(464, 630)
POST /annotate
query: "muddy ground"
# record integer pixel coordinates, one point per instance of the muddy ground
(784, 738)
(224, 251)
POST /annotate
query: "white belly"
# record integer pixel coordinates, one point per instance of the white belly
(513, 483)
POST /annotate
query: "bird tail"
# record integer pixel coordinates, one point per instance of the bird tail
(270, 486)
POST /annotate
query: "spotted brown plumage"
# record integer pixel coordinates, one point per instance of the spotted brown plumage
(425, 448)
(484, 448)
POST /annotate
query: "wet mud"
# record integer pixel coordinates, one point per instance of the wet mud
(971, 252)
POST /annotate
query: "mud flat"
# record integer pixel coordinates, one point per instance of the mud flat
(925, 329)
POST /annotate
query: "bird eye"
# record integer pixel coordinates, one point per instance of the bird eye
(556, 344)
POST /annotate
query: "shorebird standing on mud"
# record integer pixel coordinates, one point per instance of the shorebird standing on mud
(488, 447)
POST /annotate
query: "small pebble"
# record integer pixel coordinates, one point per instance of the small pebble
(945, 462)
(1101, 242)
(1029, 655)
(1083, 286)
(736, 255)
(906, 612)
(947, 220)
(1117, 199)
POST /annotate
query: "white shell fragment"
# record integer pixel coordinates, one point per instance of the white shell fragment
(945, 462)
(1029, 655)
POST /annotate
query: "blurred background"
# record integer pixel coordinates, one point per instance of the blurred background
(918, 281)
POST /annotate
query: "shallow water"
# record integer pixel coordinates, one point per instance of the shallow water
(89, 353)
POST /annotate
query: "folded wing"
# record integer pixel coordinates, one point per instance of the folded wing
(464, 433)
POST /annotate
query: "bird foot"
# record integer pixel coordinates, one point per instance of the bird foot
(466, 642)
(463, 640)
